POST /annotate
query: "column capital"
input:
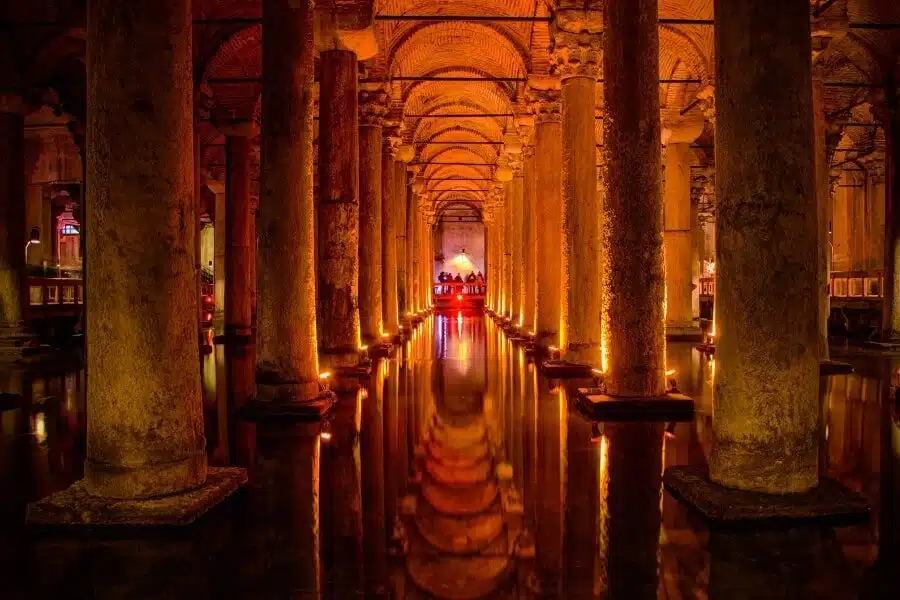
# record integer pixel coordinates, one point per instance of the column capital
(545, 104)
(392, 139)
(373, 107)
(575, 53)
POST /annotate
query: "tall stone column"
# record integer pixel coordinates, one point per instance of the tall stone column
(12, 216)
(634, 201)
(889, 116)
(412, 252)
(402, 190)
(240, 249)
(529, 228)
(145, 417)
(338, 214)
(766, 390)
(516, 239)
(823, 202)
(491, 227)
(678, 239)
(389, 220)
(287, 356)
(220, 234)
(548, 213)
(372, 110)
(577, 59)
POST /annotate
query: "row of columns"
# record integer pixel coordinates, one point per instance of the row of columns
(614, 254)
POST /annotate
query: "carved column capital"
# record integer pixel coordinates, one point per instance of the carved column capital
(373, 107)
(575, 54)
(546, 105)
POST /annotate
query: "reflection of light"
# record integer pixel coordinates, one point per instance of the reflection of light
(596, 371)
(459, 296)
(670, 430)
(385, 335)
(363, 348)
(670, 372)
(325, 435)
(324, 375)
(39, 428)
(596, 433)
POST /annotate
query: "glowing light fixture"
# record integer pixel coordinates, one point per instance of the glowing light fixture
(326, 436)
(459, 296)
(670, 372)
(324, 375)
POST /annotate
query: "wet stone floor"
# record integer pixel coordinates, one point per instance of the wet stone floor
(457, 471)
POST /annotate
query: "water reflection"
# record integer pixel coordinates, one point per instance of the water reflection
(455, 470)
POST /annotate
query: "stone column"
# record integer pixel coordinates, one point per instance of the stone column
(412, 252)
(372, 110)
(889, 116)
(576, 58)
(219, 235)
(338, 214)
(239, 247)
(12, 215)
(491, 226)
(634, 200)
(287, 355)
(145, 417)
(390, 309)
(678, 239)
(400, 209)
(548, 213)
(529, 228)
(516, 254)
(823, 202)
(766, 390)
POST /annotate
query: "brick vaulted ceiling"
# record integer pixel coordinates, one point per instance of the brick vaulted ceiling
(41, 53)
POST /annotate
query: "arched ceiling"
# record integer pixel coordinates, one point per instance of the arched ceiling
(227, 54)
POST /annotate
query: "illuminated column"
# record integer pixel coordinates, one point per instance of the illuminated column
(372, 109)
(12, 217)
(515, 199)
(412, 259)
(766, 389)
(219, 251)
(239, 246)
(145, 416)
(889, 116)
(529, 201)
(338, 209)
(576, 57)
(548, 214)
(823, 201)
(503, 251)
(402, 191)
(287, 359)
(389, 221)
(634, 201)
(678, 239)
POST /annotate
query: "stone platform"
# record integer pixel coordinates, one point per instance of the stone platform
(263, 410)
(560, 369)
(74, 507)
(830, 502)
(598, 406)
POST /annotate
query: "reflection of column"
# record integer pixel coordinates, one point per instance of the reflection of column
(577, 57)
(766, 410)
(372, 450)
(389, 220)
(239, 246)
(548, 189)
(634, 202)
(581, 507)
(12, 213)
(549, 508)
(145, 430)
(372, 109)
(679, 231)
(338, 209)
(286, 312)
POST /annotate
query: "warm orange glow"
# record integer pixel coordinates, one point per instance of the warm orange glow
(670, 372)
(325, 435)
(324, 375)
(459, 296)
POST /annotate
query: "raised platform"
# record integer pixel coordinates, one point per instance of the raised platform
(598, 406)
(830, 502)
(828, 368)
(560, 369)
(74, 507)
(266, 410)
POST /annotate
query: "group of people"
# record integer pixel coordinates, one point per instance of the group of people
(474, 282)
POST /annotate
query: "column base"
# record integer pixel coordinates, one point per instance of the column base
(829, 503)
(828, 368)
(596, 405)
(684, 333)
(74, 507)
(562, 369)
(19, 345)
(311, 410)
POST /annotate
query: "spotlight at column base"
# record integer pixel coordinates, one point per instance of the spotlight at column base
(599, 406)
(74, 507)
(314, 409)
(829, 502)
(561, 369)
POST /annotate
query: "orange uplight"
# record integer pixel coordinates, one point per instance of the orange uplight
(324, 375)
(670, 372)
(325, 435)
(459, 296)
(209, 316)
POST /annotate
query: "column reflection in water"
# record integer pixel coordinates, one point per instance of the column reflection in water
(583, 451)
(342, 498)
(372, 445)
(462, 520)
(551, 482)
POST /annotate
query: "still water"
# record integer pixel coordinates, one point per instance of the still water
(456, 471)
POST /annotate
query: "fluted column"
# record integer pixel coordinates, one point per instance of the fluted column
(634, 202)
(240, 249)
(576, 60)
(372, 110)
(389, 220)
(766, 392)
(12, 216)
(548, 188)
(145, 420)
(678, 238)
(287, 362)
(338, 212)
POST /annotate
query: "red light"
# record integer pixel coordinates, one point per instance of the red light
(459, 296)
(208, 316)
(207, 298)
